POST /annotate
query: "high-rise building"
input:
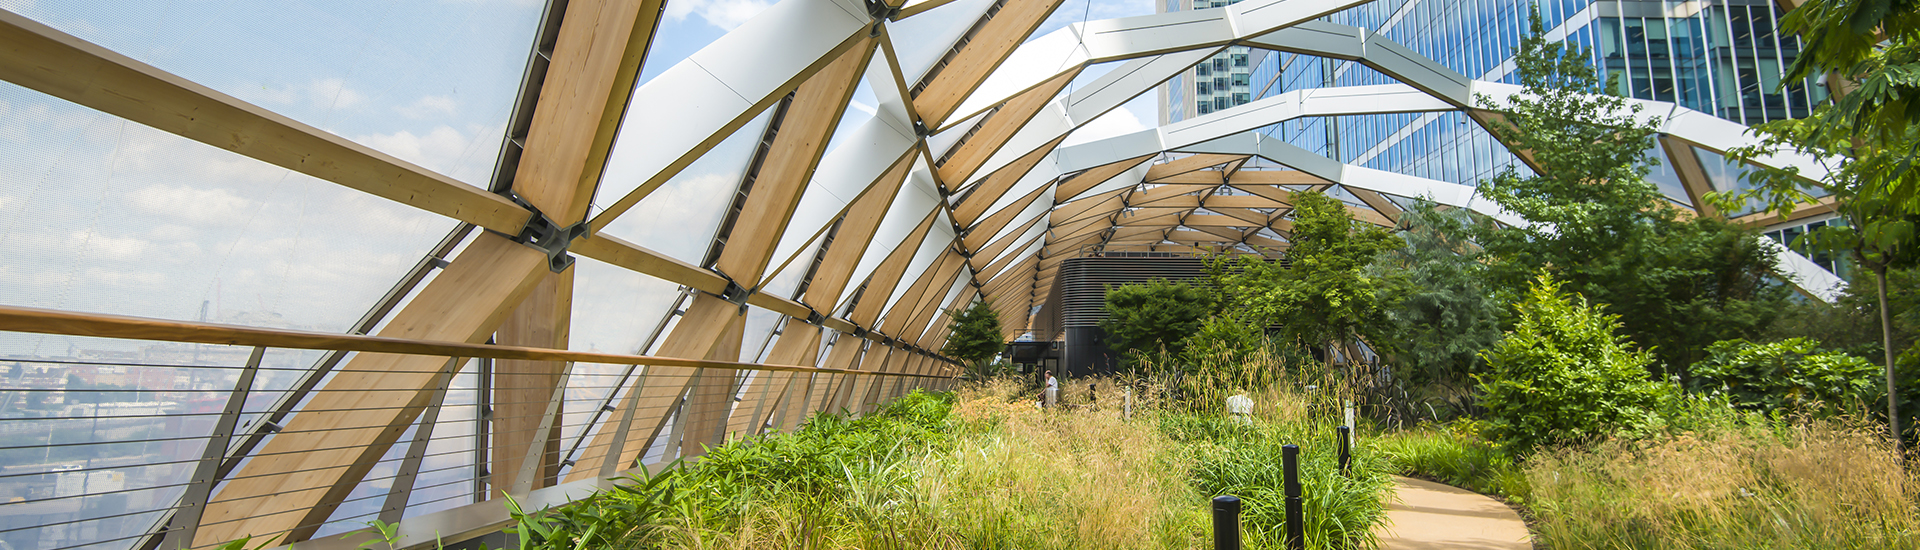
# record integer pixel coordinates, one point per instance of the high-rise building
(1722, 57)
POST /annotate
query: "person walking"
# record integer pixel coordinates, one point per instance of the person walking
(1053, 390)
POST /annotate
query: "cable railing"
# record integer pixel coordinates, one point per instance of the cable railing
(126, 450)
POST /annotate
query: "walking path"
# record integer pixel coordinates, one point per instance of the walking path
(1429, 516)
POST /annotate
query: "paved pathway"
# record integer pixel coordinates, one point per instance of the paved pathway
(1429, 516)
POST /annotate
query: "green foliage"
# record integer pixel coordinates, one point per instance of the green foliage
(1876, 45)
(1792, 375)
(1336, 508)
(1446, 316)
(1562, 375)
(1326, 296)
(1609, 234)
(1222, 339)
(977, 334)
(828, 473)
(1146, 317)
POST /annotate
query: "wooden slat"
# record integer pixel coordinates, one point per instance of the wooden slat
(1385, 208)
(1217, 202)
(995, 41)
(987, 253)
(40, 58)
(1091, 177)
(1693, 177)
(997, 129)
(1188, 164)
(982, 195)
(94, 325)
(978, 234)
(809, 123)
(595, 59)
(856, 233)
(993, 270)
(1275, 177)
(881, 282)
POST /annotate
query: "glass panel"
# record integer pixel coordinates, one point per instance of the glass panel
(429, 82)
(102, 215)
(678, 218)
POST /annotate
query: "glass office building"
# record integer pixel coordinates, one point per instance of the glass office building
(1722, 57)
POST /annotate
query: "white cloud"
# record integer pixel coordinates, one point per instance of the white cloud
(726, 14)
(326, 93)
(334, 92)
(429, 107)
(197, 205)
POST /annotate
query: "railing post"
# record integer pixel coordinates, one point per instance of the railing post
(1346, 448)
(1296, 525)
(1226, 522)
(402, 487)
(186, 519)
(530, 465)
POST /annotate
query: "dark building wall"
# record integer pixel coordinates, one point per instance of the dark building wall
(1081, 291)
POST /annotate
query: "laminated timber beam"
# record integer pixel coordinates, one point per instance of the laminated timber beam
(981, 196)
(1087, 179)
(1189, 164)
(303, 473)
(976, 236)
(999, 126)
(994, 249)
(971, 65)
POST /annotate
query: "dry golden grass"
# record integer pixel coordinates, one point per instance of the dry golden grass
(1819, 484)
(1079, 477)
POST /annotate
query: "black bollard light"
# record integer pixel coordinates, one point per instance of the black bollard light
(1226, 522)
(1296, 525)
(1346, 449)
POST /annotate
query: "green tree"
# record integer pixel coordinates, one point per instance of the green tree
(1446, 316)
(1860, 181)
(1324, 295)
(1147, 317)
(1599, 226)
(977, 334)
(1563, 375)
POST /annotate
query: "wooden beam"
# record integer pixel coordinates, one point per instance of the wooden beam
(521, 388)
(977, 235)
(1188, 164)
(42, 59)
(1693, 177)
(982, 195)
(1087, 179)
(1385, 208)
(987, 253)
(979, 57)
(993, 133)
(1275, 177)
(795, 151)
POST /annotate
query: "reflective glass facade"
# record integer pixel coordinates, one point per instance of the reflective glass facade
(1723, 58)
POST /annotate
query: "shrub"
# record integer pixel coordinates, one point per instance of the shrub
(1146, 317)
(977, 335)
(1563, 375)
(1793, 374)
(1455, 455)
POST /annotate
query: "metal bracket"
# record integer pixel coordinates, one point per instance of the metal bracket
(734, 293)
(544, 235)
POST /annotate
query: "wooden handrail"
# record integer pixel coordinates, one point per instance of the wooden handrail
(48, 321)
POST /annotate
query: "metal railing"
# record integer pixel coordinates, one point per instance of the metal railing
(125, 446)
